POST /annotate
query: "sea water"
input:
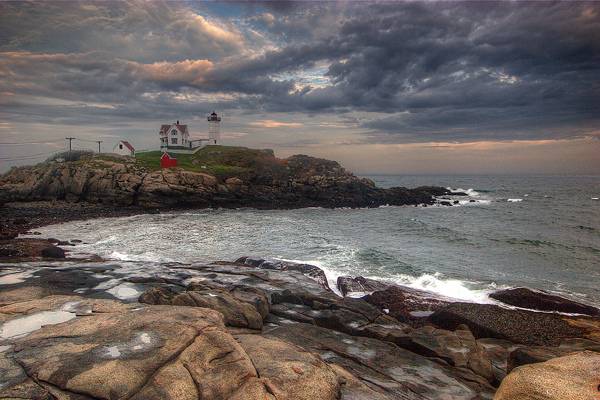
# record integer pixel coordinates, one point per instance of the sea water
(536, 231)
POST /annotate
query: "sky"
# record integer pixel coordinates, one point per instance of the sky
(382, 87)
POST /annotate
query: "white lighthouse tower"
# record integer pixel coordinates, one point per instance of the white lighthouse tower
(214, 128)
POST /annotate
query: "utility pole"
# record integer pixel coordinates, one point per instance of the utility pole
(70, 139)
(98, 141)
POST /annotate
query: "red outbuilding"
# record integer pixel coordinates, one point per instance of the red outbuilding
(167, 160)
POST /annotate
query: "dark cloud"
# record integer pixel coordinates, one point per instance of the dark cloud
(412, 71)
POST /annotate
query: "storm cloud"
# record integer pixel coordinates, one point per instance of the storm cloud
(389, 72)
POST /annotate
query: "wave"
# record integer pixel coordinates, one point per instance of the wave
(470, 192)
(453, 288)
(471, 203)
(514, 200)
(435, 283)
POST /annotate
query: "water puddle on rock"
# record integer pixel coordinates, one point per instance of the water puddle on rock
(24, 325)
(125, 291)
(13, 278)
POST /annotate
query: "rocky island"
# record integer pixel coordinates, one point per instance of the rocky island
(73, 328)
(215, 176)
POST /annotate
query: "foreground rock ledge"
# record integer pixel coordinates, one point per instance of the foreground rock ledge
(119, 351)
(256, 329)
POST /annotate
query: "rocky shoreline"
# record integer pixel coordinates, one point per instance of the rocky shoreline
(259, 329)
(295, 182)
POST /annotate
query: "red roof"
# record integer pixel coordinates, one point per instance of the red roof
(128, 145)
(168, 156)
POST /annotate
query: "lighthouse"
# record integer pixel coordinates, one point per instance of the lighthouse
(214, 128)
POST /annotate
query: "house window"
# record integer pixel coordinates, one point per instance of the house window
(174, 132)
(174, 140)
(121, 147)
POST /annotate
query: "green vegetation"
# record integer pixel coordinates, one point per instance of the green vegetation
(221, 161)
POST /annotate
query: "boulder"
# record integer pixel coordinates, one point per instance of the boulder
(538, 300)
(572, 377)
(53, 252)
(309, 270)
(359, 286)
(29, 248)
(518, 326)
(235, 312)
(157, 295)
(406, 304)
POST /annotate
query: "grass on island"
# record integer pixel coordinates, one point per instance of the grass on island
(221, 161)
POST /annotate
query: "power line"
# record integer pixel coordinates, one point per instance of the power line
(23, 143)
(86, 140)
(28, 157)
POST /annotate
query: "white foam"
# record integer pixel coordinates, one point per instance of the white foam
(120, 256)
(451, 287)
(24, 325)
(514, 200)
(470, 192)
(472, 203)
(594, 198)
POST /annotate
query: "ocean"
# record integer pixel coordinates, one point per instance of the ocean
(537, 231)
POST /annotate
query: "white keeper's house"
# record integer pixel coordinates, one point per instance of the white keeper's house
(175, 138)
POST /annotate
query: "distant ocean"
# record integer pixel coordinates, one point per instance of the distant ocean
(535, 231)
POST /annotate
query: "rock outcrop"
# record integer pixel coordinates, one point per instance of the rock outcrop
(407, 304)
(517, 326)
(298, 181)
(538, 300)
(572, 377)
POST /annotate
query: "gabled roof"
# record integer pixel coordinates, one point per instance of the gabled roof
(180, 127)
(171, 156)
(128, 145)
